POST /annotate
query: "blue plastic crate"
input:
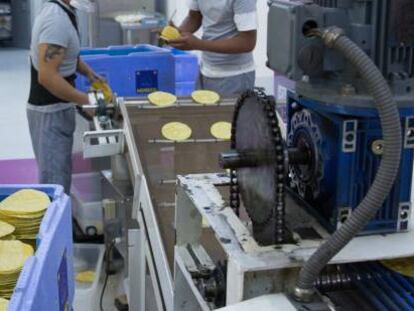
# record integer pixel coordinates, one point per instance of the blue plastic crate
(131, 70)
(47, 279)
(186, 66)
(184, 89)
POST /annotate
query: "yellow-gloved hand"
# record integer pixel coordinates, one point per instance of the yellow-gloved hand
(105, 88)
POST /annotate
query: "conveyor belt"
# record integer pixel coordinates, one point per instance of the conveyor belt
(163, 160)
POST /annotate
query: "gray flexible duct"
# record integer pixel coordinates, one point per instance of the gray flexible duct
(387, 172)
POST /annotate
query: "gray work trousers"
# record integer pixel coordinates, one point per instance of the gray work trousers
(52, 130)
(228, 86)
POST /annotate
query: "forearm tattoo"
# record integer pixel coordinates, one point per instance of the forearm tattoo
(52, 51)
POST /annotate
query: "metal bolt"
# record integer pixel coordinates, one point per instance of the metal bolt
(378, 147)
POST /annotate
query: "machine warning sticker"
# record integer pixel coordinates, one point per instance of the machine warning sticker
(146, 82)
(63, 283)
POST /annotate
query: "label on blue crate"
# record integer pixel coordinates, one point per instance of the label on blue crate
(63, 284)
(146, 81)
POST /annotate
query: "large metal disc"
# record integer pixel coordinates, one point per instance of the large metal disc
(257, 184)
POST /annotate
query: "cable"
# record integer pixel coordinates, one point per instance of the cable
(387, 172)
(103, 292)
(107, 253)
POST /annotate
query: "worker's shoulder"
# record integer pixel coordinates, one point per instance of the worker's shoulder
(52, 11)
(51, 17)
(243, 1)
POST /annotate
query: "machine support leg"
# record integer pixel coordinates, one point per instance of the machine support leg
(137, 270)
(235, 283)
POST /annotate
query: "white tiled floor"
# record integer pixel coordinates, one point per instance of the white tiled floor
(14, 89)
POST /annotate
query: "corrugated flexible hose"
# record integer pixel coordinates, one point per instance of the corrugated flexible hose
(386, 175)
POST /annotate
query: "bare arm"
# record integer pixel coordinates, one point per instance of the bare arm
(191, 23)
(244, 42)
(85, 70)
(50, 59)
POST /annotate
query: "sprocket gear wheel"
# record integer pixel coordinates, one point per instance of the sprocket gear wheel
(261, 187)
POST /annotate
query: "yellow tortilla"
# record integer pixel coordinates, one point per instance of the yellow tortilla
(170, 33)
(19, 217)
(5, 229)
(205, 97)
(162, 99)
(85, 277)
(3, 304)
(105, 88)
(404, 266)
(13, 255)
(221, 130)
(27, 250)
(176, 131)
(26, 201)
(9, 237)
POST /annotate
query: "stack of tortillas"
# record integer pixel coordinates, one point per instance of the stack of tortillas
(85, 277)
(3, 304)
(6, 231)
(170, 33)
(13, 255)
(24, 210)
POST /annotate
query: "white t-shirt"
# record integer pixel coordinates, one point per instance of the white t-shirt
(224, 19)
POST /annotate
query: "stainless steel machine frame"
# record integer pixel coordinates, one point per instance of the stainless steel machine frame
(252, 270)
(147, 241)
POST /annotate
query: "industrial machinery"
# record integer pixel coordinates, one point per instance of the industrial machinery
(128, 130)
(300, 221)
(337, 190)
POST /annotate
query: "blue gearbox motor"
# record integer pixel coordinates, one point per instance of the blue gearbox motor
(344, 152)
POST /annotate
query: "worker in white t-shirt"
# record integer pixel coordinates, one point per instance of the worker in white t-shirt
(229, 37)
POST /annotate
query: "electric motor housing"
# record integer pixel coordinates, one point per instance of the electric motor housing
(347, 147)
(384, 29)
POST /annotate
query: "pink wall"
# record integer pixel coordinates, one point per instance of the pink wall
(25, 171)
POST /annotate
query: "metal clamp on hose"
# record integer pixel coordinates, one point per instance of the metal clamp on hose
(331, 35)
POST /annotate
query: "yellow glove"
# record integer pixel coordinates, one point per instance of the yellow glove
(105, 88)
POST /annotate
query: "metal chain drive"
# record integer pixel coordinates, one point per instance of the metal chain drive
(278, 211)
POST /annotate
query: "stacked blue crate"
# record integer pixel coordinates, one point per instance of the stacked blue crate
(142, 69)
(131, 70)
(47, 279)
(186, 72)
